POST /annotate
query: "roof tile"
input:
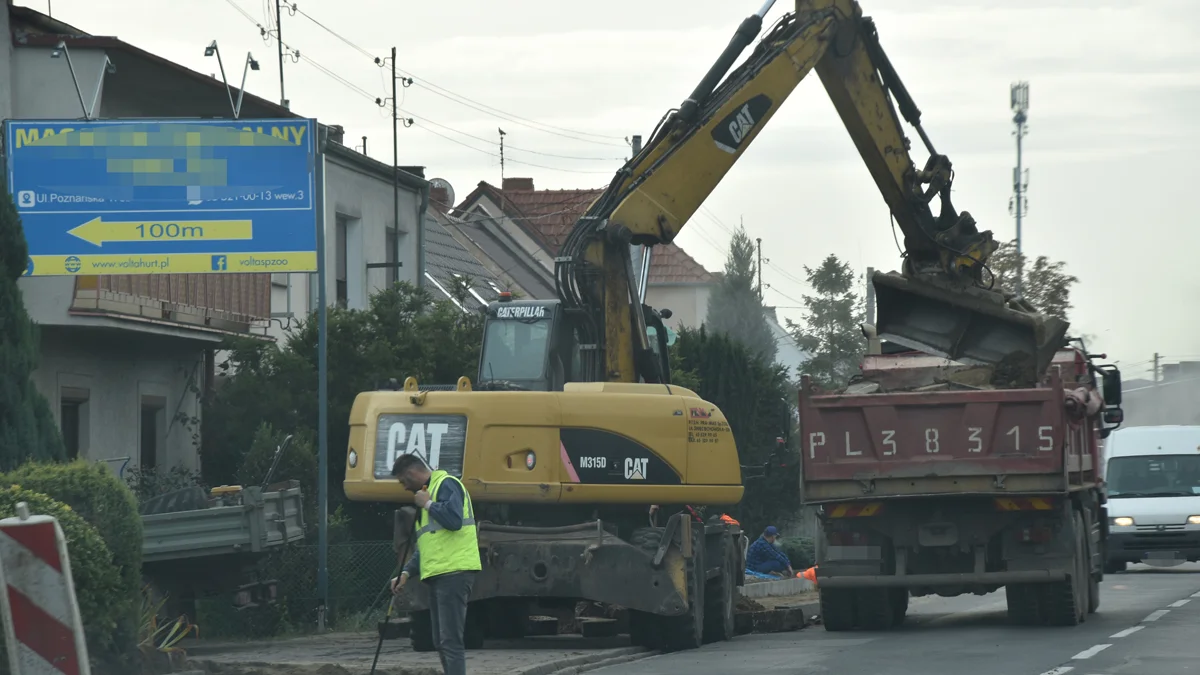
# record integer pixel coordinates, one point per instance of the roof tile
(549, 215)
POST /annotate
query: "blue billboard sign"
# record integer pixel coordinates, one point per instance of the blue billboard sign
(165, 196)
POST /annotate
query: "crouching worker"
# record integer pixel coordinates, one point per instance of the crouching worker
(765, 557)
(447, 555)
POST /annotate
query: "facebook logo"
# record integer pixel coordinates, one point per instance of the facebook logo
(219, 263)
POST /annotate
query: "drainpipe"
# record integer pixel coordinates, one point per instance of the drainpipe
(421, 234)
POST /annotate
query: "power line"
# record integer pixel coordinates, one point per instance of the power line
(332, 74)
(469, 102)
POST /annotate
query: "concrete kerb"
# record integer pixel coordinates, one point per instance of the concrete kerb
(772, 589)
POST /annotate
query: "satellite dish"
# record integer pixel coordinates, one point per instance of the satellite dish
(444, 184)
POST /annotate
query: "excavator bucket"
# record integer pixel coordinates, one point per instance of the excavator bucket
(965, 324)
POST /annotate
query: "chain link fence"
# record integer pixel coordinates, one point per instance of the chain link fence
(359, 573)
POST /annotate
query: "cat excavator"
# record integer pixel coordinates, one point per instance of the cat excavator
(573, 429)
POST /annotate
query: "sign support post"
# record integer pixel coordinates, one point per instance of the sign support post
(322, 397)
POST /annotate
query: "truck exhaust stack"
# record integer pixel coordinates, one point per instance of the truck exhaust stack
(965, 324)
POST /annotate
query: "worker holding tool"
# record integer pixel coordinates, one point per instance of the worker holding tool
(447, 555)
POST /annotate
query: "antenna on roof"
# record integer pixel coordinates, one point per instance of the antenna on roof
(501, 155)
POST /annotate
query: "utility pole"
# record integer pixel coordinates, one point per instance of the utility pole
(758, 241)
(279, 34)
(501, 157)
(396, 168)
(1019, 102)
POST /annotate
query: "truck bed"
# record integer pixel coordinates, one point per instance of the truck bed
(985, 442)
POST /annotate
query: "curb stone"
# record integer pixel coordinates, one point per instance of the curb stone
(578, 664)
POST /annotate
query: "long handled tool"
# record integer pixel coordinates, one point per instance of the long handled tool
(403, 542)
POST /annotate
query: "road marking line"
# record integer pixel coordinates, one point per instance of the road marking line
(1059, 670)
(1196, 594)
(1091, 651)
(1156, 615)
(1179, 603)
(1127, 632)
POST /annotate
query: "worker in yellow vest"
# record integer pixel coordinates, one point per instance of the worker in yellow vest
(447, 555)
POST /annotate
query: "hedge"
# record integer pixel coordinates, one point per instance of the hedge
(101, 499)
(98, 588)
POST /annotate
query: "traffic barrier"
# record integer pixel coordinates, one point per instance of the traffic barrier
(42, 628)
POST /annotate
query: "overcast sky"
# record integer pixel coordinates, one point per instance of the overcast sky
(1114, 90)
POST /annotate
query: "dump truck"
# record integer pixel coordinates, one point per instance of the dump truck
(934, 477)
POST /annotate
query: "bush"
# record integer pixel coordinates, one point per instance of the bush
(98, 588)
(801, 551)
(149, 483)
(101, 499)
(298, 462)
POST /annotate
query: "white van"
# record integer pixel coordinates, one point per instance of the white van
(1153, 482)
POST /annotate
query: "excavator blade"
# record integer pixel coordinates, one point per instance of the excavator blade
(965, 324)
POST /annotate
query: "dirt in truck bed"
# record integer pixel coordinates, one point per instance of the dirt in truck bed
(1015, 371)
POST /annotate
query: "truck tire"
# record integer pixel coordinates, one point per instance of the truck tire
(1024, 604)
(837, 609)
(1065, 602)
(720, 598)
(1115, 566)
(420, 632)
(473, 632)
(875, 608)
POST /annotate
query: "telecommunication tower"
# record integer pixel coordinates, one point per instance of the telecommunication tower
(1018, 205)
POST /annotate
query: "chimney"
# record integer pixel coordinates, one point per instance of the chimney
(518, 184)
(337, 133)
(440, 196)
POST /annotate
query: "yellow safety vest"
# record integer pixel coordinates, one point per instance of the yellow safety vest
(444, 551)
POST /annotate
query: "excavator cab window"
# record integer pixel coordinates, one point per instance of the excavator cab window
(522, 347)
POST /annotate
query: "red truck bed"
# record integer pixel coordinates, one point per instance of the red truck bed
(994, 442)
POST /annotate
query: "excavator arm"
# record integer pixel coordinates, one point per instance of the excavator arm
(941, 303)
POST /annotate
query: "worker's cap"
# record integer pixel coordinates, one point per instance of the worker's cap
(771, 531)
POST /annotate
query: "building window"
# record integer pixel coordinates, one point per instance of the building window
(153, 427)
(393, 272)
(73, 417)
(340, 259)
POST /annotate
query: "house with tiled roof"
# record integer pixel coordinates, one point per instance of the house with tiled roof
(520, 229)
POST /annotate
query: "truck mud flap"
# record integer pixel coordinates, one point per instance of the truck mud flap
(968, 325)
(911, 580)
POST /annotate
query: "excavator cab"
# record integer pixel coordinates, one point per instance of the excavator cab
(532, 345)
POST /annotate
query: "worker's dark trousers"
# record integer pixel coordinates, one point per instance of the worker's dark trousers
(448, 614)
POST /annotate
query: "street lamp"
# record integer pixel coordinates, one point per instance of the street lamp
(251, 64)
(107, 67)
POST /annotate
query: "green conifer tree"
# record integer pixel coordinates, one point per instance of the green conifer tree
(27, 427)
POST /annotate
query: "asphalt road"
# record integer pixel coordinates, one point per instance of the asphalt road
(1148, 623)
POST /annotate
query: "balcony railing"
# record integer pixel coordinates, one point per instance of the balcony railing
(229, 302)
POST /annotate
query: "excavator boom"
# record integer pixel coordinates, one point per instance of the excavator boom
(942, 302)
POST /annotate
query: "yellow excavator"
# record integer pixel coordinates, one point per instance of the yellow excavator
(572, 428)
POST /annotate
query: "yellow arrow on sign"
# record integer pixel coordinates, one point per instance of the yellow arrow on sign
(99, 232)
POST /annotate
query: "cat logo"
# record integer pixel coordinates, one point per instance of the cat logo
(635, 468)
(700, 413)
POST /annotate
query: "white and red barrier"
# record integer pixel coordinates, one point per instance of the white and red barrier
(43, 632)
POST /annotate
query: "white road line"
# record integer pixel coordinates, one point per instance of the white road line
(1127, 632)
(1059, 670)
(1090, 652)
(1156, 615)
(1179, 603)
(1196, 594)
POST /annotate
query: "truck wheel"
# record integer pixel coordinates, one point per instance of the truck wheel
(474, 630)
(420, 632)
(837, 609)
(643, 629)
(1024, 604)
(899, 605)
(1114, 566)
(1065, 602)
(875, 608)
(720, 596)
